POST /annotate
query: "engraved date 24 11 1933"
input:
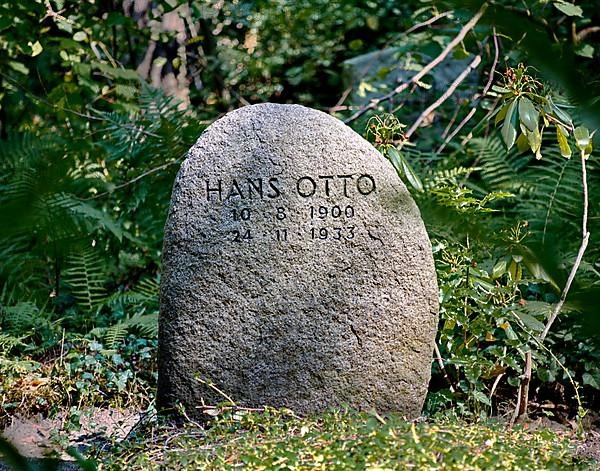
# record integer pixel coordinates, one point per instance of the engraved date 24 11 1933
(338, 224)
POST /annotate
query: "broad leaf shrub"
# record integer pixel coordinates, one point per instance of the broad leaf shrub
(492, 225)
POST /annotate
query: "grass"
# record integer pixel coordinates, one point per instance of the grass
(278, 440)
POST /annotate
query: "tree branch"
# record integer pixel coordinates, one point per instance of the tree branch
(431, 20)
(451, 89)
(586, 32)
(400, 88)
(339, 106)
(467, 118)
(135, 179)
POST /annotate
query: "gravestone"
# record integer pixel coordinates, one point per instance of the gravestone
(297, 271)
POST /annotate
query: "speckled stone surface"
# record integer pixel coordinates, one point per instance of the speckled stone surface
(296, 271)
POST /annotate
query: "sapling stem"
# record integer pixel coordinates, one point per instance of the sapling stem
(584, 243)
(523, 395)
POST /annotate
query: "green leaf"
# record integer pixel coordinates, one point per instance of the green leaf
(528, 114)
(404, 169)
(590, 380)
(510, 333)
(118, 73)
(80, 36)
(546, 375)
(126, 91)
(499, 269)
(515, 271)
(560, 114)
(583, 139)
(585, 50)
(509, 128)
(373, 22)
(563, 143)
(569, 9)
(19, 67)
(499, 89)
(36, 48)
(64, 25)
(535, 142)
(522, 143)
(536, 268)
(5, 22)
(501, 114)
(480, 397)
(530, 322)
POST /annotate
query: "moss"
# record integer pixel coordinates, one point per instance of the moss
(343, 440)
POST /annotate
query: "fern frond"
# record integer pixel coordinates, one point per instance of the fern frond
(19, 268)
(555, 199)
(144, 294)
(548, 191)
(20, 317)
(112, 335)
(9, 342)
(27, 148)
(148, 289)
(145, 325)
(73, 212)
(447, 177)
(499, 169)
(86, 278)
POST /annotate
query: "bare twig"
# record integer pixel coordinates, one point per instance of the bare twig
(494, 64)
(227, 408)
(451, 89)
(133, 180)
(472, 111)
(438, 357)
(458, 128)
(451, 122)
(584, 243)
(400, 88)
(212, 386)
(55, 15)
(495, 385)
(193, 422)
(431, 20)
(523, 394)
(586, 32)
(87, 116)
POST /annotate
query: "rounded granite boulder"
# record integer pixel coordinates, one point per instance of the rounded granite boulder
(297, 271)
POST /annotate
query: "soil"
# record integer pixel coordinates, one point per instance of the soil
(40, 438)
(590, 448)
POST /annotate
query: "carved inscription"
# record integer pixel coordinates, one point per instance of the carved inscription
(318, 221)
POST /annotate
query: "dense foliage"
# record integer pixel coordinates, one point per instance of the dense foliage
(99, 101)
